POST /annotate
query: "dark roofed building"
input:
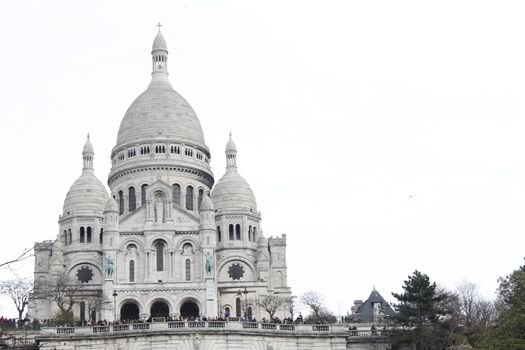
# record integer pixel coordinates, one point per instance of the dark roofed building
(374, 309)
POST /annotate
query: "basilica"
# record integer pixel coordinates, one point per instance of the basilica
(167, 241)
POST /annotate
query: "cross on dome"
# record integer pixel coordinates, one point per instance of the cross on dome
(160, 26)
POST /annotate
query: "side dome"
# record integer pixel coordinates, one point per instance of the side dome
(87, 193)
(232, 191)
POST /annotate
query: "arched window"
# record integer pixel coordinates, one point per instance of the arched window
(189, 198)
(254, 232)
(65, 237)
(120, 202)
(70, 236)
(250, 233)
(199, 199)
(82, 234)
(176, 194)
(132, 271)
(187, 249)
(230, 229)
(218, 233)
(143, 195)
(159, 250)
(238, 307)
(188, 270)
(238, 232)
(132, 199)
(101, 235)
(88, 236)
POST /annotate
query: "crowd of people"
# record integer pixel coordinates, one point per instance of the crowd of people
(13, 323)
(36, 323)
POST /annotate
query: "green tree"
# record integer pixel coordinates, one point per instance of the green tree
(509, 331)
(425, 316)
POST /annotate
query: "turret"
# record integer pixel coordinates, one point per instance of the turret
(159, 58)
(207, 213)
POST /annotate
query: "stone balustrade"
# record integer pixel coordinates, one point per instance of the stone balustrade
(210, 326)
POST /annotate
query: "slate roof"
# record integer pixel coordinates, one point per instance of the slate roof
(365, 311)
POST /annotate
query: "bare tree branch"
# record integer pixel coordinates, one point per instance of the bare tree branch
(18, 290)
(271, 304)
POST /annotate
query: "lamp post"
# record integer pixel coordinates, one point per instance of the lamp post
(245, 292)
(114, 306)
(239, 295)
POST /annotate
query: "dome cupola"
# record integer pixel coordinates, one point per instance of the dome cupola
(87, 194)
(232, 192)
(159, 44)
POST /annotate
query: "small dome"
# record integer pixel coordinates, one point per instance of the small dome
(230, 146)
(207, 203)
(159, 43)
(111, 205)
(233, 192)
(87, 193)
(88, 147)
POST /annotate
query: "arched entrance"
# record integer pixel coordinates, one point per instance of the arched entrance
(160, 309)
(129, 311)
(189, 309)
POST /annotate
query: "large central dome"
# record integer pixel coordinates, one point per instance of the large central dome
(160, 130)
(160, 113)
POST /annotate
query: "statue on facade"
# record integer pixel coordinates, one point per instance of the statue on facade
(209, 263)
(109, 267)
(159, 210)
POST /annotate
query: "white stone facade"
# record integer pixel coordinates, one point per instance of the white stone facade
(160, 244)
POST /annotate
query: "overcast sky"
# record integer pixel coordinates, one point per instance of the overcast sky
(380, 136)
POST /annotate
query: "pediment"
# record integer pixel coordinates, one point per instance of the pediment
(179, 219)
(133, 221)
(158, 185)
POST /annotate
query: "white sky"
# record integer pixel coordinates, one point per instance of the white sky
(380, 136)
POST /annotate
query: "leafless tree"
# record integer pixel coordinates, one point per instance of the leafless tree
(468, 296)
(18, 290)
(314, 301)
(271, 304)
(289, 304)
(95, 303)
(63, 294)
(475, 311)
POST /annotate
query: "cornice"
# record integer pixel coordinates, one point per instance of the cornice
(205, 176)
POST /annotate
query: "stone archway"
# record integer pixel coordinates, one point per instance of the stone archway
(129, 311)
(160, 309)
(189, 309)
